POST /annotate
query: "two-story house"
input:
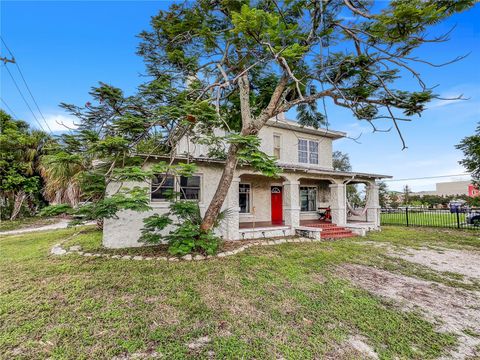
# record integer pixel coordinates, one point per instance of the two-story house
(260, 206)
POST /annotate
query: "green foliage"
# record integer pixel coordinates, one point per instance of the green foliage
(341, 161)
(55, 210)
(135, 199)
(186, 237)
(470, 146)
(250, 154)
(382, 193)
(20, 150)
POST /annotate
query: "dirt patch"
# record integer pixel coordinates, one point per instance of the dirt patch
(451, 309)
(462, 262)
(354, 347)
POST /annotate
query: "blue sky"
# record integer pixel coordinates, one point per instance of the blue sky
(65, 47)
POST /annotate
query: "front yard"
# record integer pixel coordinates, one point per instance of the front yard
(402, 293)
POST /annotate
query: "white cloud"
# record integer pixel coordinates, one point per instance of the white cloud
(60, 122)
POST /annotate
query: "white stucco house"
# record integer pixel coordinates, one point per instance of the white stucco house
(260, 206)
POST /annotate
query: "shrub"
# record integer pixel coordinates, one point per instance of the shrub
(55, 210)
(186, 237)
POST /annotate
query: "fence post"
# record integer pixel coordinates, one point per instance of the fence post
(406, 213)
(458, 217)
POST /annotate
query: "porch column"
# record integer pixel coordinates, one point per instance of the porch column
(373, 204)
(232, 221)
(291, 203)
(338, 203)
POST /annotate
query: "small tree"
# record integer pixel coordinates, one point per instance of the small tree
(383, 193)
(470, 146)
(341, 161)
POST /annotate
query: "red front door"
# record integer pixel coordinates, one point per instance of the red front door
(277, 205)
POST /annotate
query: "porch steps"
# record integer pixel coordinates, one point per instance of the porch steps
(332, 231)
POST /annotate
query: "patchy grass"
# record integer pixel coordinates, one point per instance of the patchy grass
(7, 225)
(267, 302)
(417, 237)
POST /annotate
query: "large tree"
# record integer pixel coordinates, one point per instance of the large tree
(252, 60)
(470, 146)
(236, 64)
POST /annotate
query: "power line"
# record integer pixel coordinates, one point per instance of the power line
(26, 85)
(9, 109)
(427, 177)
(23, 97)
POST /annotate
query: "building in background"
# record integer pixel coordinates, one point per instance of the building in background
(473, 191)
(452, 188)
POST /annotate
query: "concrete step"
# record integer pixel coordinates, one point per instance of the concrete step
(341, 236)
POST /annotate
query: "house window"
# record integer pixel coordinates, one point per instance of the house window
(313, 152)
(244, 198)
(308, 198)
(190, 188)
(168, 187)
(307, 151)
(302, 151)
(276, 146)
(163, 187)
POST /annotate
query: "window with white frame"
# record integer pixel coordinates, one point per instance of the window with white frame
(244, 198)
(276, 146)
(165, 187)
(307, 151)
(308, 198)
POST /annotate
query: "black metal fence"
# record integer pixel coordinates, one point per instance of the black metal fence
(455, 218)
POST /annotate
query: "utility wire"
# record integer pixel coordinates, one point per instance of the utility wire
(426, 177)
(9, 109)
(26, 85)
(23, 97)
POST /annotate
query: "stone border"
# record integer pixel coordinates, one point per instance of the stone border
(58, 250)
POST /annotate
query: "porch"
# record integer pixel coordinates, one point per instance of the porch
(269, 207)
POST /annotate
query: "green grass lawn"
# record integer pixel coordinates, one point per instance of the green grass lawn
(431, 219)
(265, 303)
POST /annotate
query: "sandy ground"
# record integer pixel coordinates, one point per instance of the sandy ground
(451, 309)
(462, 262)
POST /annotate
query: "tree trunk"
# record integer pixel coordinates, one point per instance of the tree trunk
(222, 189)
(17, 205)
(250, 126)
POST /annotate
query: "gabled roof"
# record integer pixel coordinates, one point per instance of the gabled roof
(282, 123)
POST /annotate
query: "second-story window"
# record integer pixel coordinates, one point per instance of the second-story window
(307, 151)
(276, 146)
(313, 152)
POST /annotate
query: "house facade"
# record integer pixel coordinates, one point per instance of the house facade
(261, 206)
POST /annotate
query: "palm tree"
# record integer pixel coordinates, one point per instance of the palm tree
(61, 172)
(20, 150)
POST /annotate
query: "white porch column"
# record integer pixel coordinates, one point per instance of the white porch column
(291, 203)
(231, 223)
(338, 203)
(373, 204)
